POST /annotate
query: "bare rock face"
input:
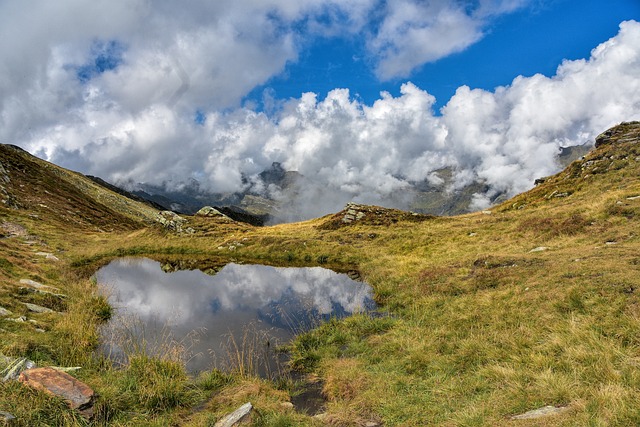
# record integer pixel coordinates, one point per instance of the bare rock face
(77, 394)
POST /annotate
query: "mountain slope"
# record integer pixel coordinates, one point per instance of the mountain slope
(56, 194)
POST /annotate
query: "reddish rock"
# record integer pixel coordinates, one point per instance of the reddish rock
(77, 394)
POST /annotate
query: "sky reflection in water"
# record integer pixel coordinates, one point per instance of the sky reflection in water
(280, 301)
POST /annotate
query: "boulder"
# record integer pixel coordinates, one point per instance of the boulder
(75, 393)
(4, 312)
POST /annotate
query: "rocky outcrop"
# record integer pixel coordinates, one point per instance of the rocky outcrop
(354, 213)
(624, 132)
(75, 393)
(174, 222)
(209, 211)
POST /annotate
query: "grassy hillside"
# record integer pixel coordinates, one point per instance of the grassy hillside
(534, 303)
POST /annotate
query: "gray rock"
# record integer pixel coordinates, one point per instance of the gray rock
(172, 221)
(15, 368)
(48, 256)
(37, 308)
(6, 416)
(40, 291)
(4, 312)
(539, 249)
(210, 211)
(240, 415)
(36, 285)
(541, 412)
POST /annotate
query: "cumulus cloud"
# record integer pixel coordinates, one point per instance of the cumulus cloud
(142, 92)
(415, 32)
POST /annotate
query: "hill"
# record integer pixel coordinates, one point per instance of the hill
(533, 304)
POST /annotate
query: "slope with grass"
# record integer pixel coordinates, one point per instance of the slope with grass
(534, 303)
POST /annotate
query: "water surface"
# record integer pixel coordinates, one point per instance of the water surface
(244, 310)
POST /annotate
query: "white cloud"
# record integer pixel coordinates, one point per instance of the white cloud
(135, 122)
(414, 32)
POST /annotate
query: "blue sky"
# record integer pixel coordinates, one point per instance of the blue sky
(533, 39)
(365, 98)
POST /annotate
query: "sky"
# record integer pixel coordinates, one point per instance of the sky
(364, 98)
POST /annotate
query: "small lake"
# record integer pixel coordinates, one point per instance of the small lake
(239, 316)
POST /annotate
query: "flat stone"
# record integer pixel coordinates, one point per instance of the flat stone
(240, 415)
(48, 256)
(539, 249)
(633, 198)
(6, 416)
(37, 285)
(37, 308)
(77, 394)
(4, 312)
(541, 412)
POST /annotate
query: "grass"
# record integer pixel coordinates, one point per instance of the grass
(479, 328)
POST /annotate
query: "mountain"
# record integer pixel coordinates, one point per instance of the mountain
(529, 310)
(55, 194)
(272, 196)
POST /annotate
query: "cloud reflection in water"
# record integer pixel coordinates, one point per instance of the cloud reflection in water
(281, 300)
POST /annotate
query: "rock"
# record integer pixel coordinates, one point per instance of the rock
(487, 213)
(37, 285)
(4, 312)
(174, 222)
(372, 424)
(539, 249)
(77, 394)
(541, 412)
(5, 416)
(539, 181)
(37, 308)
(210, 212)
(39, 291)
(240, 415)
(633, 198)
(48, 256)
(15, 368)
